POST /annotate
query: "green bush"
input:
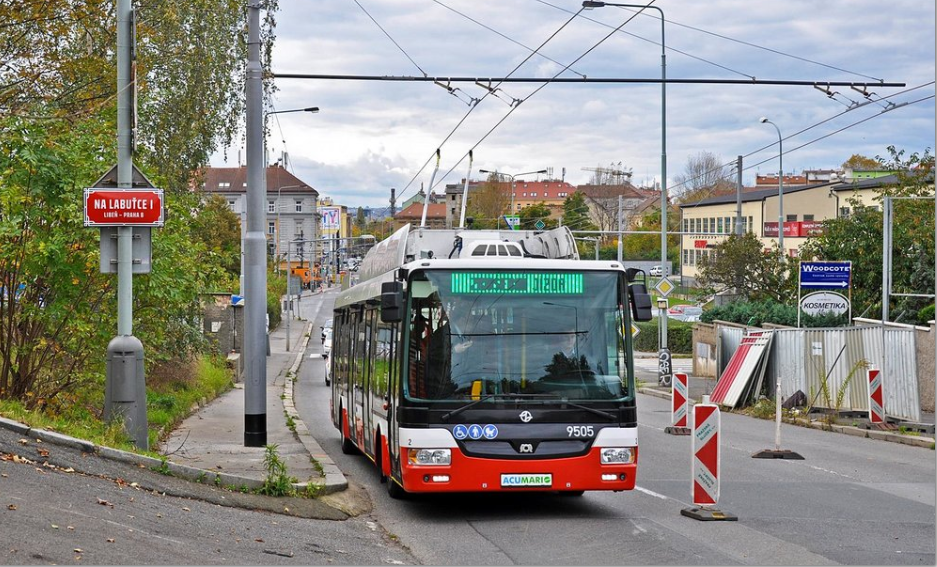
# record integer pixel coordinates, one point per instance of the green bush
(276, 289)
(925, 315)
(757, 313)
(679, 337)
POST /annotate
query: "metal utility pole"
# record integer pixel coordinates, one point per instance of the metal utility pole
(255, 278)
(125, 386)
(738, 198)
(620, 244)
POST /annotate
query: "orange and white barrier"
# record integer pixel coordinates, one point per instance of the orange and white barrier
(678, 396)
(876, 399)
(707, 422)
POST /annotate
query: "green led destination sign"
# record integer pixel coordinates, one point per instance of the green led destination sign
(529, 283)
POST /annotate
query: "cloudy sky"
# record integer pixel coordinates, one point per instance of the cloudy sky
(370, 136)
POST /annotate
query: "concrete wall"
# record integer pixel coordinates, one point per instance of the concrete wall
(926, 358)
(222, 324)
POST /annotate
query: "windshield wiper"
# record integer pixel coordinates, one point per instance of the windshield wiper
(473, 403)
(604, 414)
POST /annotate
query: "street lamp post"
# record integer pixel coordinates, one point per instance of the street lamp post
(663, 142)
(512, 180)
(764, 120)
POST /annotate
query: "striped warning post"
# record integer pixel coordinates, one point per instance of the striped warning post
(706, 454)
(876, 404)
(679, 399)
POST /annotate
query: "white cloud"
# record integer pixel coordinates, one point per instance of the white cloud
(371, 136)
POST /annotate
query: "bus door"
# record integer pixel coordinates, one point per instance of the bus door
(359, 372)
(367, 415)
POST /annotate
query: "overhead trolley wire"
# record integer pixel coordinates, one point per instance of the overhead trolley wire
(727, 38)
(368, 14)
(472, 108)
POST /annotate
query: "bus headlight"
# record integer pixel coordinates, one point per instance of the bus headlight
(617, 455)
(429, 456)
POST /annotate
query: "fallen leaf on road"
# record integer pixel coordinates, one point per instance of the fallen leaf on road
(54, 527)
(70, 528)
(69, 469)
(185, 509)
(11, 506)
(77, 550)
(3, 475)
(43, 452)
(259, 540)
(103, 502)
(24, 441)
(110, 540)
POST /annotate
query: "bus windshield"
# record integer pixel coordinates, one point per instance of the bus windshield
(537, 334)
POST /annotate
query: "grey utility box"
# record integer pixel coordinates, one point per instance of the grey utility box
(125, 392)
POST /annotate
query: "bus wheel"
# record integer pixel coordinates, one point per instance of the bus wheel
(348, 447)
(394, 490)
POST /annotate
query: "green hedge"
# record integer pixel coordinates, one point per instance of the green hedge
(757, 313)
(679, 337)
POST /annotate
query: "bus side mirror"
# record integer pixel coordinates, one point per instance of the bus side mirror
(391, 302)
(640, 302)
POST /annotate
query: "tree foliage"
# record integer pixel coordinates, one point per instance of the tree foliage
(57, 102)
(703, 175)
(488, 202)
(857, 161)
(858, 238)
(740, 263)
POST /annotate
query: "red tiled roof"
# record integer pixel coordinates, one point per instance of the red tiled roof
(415, 211)
(236, 178)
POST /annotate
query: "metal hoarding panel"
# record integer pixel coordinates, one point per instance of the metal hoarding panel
(803, 358)
(899, 375)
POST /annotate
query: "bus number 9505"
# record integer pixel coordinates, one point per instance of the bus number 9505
(580, 430)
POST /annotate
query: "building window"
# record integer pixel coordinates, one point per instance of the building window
(271, 206)
(686, 256)
(729, 225)
(791, 218)
(299, 205)
(719, 226)
(224, 185)
(272, 228)
(808, 218)
(844, 212)
(706, 226)
(231, 203)
(751, 227)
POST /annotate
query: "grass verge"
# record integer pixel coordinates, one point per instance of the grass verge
(171, 393)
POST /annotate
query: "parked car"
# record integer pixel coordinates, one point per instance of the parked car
(685, 312)
(657, 271)
(326, 328)
(327, 343)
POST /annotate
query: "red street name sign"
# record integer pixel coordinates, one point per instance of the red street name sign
(123, 207)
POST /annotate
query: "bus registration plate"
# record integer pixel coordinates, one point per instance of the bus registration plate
(522, 480)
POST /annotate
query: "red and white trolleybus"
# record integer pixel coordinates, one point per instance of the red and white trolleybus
(474, 361)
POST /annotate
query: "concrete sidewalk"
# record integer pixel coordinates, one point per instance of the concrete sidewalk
(211, 440)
